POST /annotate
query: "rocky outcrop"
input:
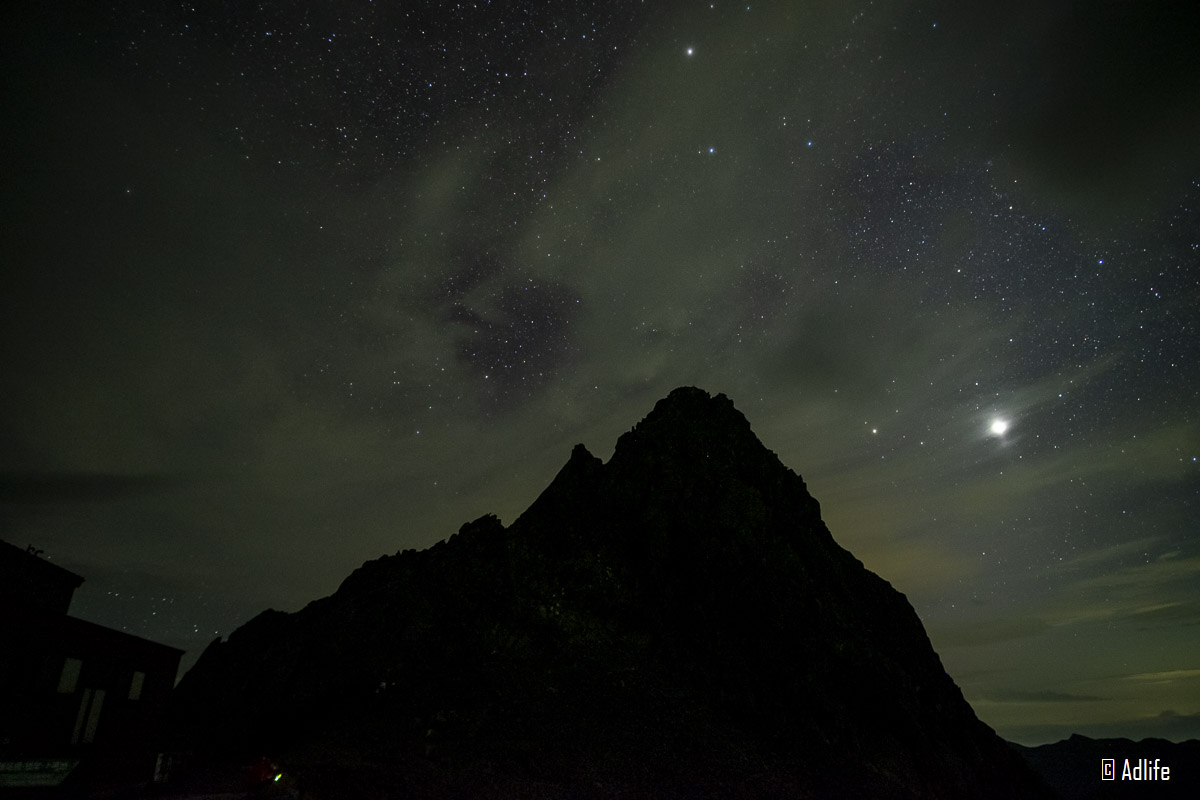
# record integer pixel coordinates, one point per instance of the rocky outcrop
(677, 621)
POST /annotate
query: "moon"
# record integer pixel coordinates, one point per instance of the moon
(998, 427)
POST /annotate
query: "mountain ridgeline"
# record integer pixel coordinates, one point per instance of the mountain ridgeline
(677, 622)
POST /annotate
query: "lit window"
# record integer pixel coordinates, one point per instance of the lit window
(69, 678)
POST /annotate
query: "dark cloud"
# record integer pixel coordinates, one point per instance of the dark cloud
(519, 340)
(1103, 105)
(80, 487)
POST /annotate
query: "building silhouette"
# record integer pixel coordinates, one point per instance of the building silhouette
(80, 704)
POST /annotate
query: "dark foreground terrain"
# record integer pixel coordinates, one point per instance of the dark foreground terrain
(1071, 768)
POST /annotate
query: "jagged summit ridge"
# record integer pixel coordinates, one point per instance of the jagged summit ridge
(693, 422)
(691, 426)
(679, 616)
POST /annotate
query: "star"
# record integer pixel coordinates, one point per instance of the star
(690, 51)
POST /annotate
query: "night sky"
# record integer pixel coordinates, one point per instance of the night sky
(288, 286)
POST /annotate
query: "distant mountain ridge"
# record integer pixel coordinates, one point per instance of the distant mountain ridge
(675, 622)
(1072, 767)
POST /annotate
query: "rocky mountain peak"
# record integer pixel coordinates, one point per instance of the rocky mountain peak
(691, 427)
(677, 620)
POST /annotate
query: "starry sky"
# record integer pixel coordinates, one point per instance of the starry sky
(291, 286)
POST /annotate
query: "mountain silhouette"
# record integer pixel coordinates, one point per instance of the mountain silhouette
(676, 622)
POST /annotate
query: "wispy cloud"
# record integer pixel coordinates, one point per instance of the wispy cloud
(1166, 676)
(987, 631)
(1042, 696)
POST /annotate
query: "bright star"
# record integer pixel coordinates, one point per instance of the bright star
(690, 50)
(999, 426)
